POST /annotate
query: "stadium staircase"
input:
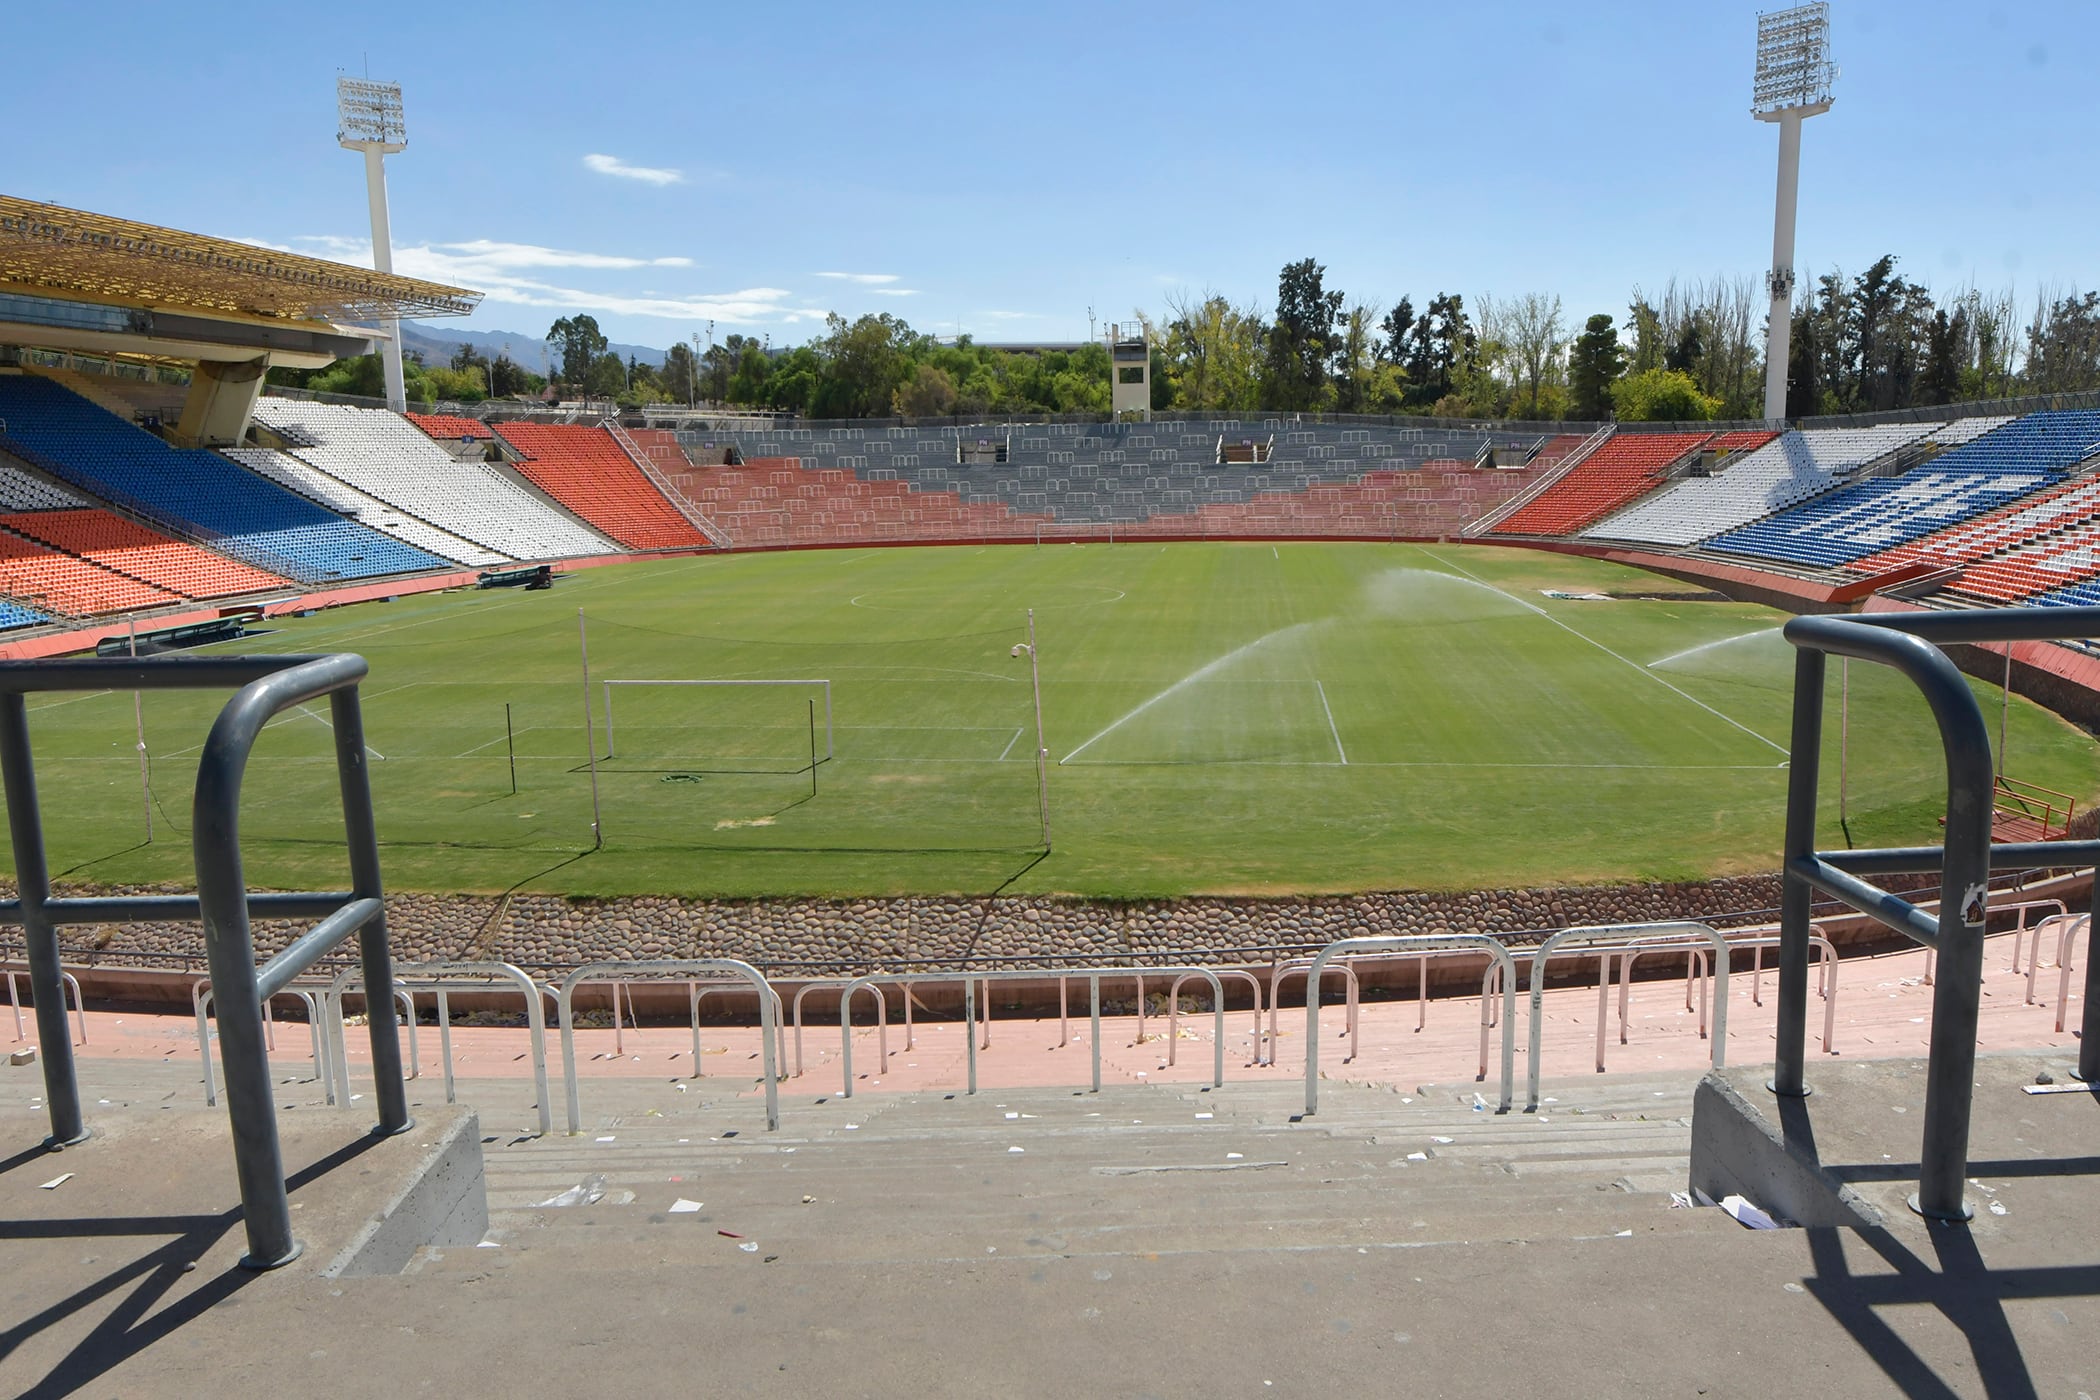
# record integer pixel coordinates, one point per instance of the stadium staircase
(1131, 1170)
(1567, 461)
(645, 461)
(591, 475)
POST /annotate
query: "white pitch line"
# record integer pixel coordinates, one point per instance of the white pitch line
(1010, 744)
(331, 729)
(1330, 723)
(1532, 607)
(68, 701)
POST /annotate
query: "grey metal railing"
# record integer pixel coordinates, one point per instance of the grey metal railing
(1910, 643)
(267, 686)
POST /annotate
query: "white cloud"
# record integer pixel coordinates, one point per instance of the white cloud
(866, 279)
(1012, 315)
(498, 271)
(893, 291)
(620, 169)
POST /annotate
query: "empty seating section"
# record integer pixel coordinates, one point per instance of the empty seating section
(1963, 430)
(243, 515)
(20, 491)
(781, 502)
(1784, 472)
(1609, 477)
(1993, 470)
(451, 427)
(382, 456)
(1623, 468)
(347, 501)
(1440, 498)
(118, 544)
(586, 470)
(2062, 564)
(52, 582)
(13, 615)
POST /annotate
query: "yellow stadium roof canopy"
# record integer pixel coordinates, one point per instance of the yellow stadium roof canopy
(117, 261)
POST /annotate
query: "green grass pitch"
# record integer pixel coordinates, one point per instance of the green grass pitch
(1220, 718)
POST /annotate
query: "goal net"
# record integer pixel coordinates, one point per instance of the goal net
(719, 726)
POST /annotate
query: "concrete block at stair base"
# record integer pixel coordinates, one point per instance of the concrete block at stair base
(1743, 1148)
(444, 1202)
(24, 1056)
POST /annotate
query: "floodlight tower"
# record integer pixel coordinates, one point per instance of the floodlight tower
(1793, 80)
(368, 119)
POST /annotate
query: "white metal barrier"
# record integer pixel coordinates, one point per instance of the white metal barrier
(1625, 934)
(71, 983)
(440, 978)
(1412, 945)
(683, 970)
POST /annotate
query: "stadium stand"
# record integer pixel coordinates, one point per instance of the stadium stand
(119, 545)
(347, 501)
(590, 474)
(450, 427)
(1963, 430)
(1783, 473)
(191, 492)
(14, 615)
(780, 502)
(56, 582)
(382, 456)
(1620, 471)
(1992, 470)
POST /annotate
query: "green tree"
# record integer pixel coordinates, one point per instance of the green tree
(864, 363)
(681, 374)
(1662, 396)
(508, 377)
(1594, 365)
(577, 344)
(1940, 382)
(606, 378)
(929, 393)
(1301, 340)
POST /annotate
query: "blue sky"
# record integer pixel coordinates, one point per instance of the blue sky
(999, 168)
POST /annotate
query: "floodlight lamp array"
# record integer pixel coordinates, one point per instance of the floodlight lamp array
(1793, 59)
(369, 114)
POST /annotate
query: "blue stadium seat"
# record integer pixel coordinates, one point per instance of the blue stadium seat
(13, 615)
(198, 492)
(2022, 457)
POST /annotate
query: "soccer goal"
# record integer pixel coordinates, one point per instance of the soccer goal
(726, 725)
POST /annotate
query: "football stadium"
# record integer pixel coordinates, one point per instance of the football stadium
(1053, 872)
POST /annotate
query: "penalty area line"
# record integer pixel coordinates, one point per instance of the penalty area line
(1681, 694)
(1329, 711)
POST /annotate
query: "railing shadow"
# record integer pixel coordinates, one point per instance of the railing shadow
(147, 1313)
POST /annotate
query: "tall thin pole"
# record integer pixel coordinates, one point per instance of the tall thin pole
(383, 261)
(1844, 732)
(1042, 749)
(590, 737)
(510, 743)
(812, 747)
(2004, 710)
(138, 720)
(1780, 280)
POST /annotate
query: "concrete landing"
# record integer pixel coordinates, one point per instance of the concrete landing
(141, 1235)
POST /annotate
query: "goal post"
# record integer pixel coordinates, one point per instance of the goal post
(820, 684)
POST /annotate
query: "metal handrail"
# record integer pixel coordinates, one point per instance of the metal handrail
(439, 978)
(1911, 643)
(1543, 954)
(1409, 944)
(685, 969)
(2063, 964)
(267, 686)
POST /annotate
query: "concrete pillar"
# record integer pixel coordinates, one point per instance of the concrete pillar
(222, 396)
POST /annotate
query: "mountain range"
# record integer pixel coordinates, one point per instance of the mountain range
(438, 343)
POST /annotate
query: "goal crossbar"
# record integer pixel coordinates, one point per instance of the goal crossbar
(824, 684)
